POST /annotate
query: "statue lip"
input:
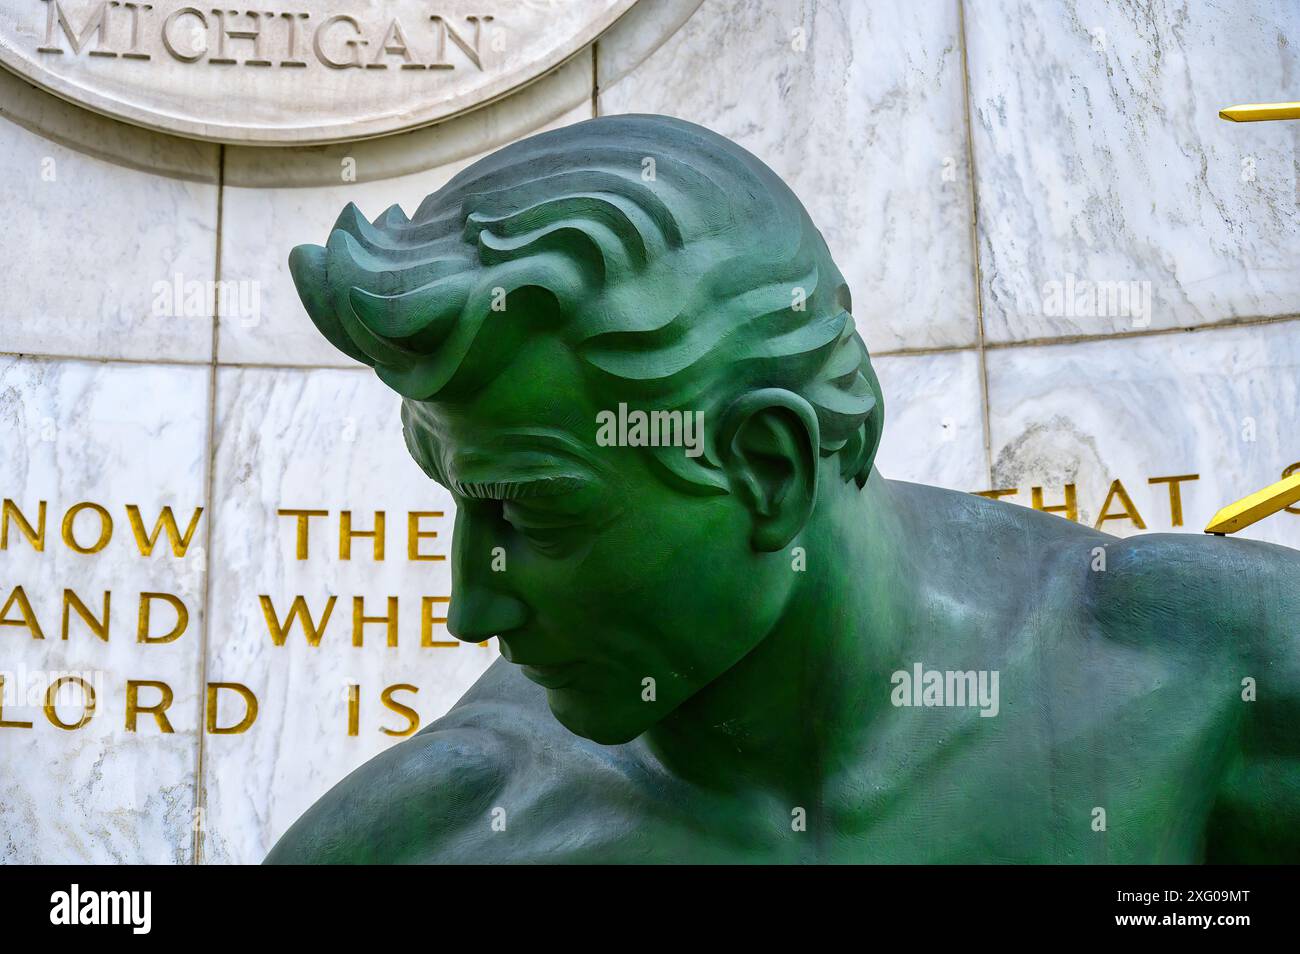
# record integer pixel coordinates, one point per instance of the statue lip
(551, 677)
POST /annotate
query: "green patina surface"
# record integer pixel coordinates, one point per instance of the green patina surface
(704, 643)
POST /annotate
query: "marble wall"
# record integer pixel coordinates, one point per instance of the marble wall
(1068, 269)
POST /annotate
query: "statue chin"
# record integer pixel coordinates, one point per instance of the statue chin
(595, 720)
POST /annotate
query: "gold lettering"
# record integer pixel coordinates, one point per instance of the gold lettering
(97, 626)
(1070, 508)
(354, 709)
(412, 717)
(998, 494)
(158, 710)
(414, 535)
(4, 723)
(346, 535)
(427, 619)
(359, 619)
(250, 709)
(303, 516)
(166, 521)
(105, 527)
(142, 628)
(1130, 511)
(36, 537)
(299, 611)
(1175, 494)
(87, 703)
(24, 607)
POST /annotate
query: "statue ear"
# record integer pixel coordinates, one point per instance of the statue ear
(768, 447)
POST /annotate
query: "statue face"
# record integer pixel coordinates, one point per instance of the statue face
(619, 594)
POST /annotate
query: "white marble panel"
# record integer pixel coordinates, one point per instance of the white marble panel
(94, 246)
(859, 108)
(440, 144)
(934, 419)
(637, 34)
(1100, 158)
(89, 133)
(1223, 404)
(321, 440)
(262, 223)
(111, 435)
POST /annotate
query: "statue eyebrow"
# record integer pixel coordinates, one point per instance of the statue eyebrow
(515, 489)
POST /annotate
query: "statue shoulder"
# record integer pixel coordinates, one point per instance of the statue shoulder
(1222, 612)
(425, 796)
(1215, 593)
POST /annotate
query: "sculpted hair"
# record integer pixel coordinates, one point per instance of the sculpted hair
(677, 266)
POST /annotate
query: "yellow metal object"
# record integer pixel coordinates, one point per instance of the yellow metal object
(1248, 510)
(1256, 112)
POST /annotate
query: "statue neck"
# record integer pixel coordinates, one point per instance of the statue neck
(788, 713)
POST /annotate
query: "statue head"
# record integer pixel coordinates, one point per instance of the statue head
(624, 349)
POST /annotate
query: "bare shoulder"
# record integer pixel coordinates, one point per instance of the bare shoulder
(497, 762)
(1218, 619)
(1231, 597)
(416, 800)
(1224, 597)
(1232, 608)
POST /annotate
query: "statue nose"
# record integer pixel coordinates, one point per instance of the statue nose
(476, 613)
(481, 606)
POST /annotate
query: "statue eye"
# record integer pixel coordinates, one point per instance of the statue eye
(551, 541)
(548, 534)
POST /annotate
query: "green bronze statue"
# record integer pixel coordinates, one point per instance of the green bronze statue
(625, 351)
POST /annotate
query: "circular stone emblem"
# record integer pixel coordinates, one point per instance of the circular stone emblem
(308, 72)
